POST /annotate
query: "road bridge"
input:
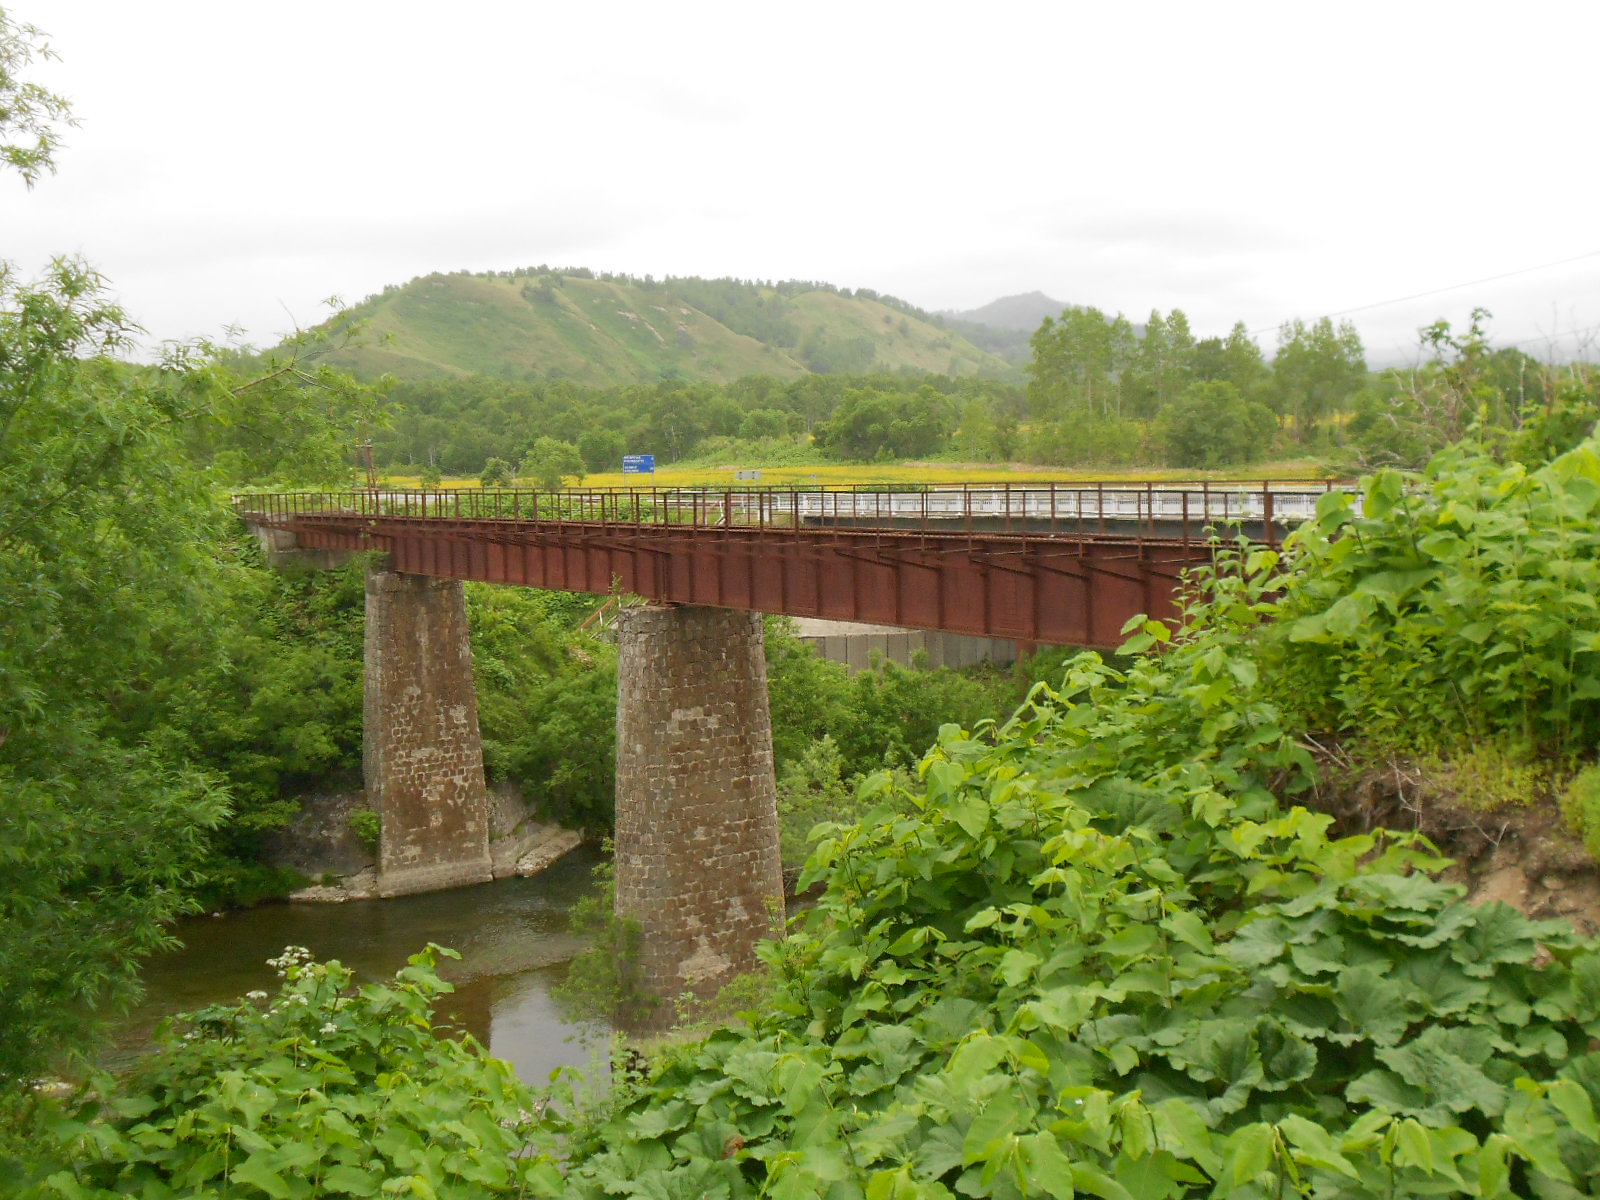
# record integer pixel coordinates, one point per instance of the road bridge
(696, 831)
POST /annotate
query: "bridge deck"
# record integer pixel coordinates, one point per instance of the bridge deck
(1064, 565)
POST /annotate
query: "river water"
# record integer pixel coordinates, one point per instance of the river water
(513, 935)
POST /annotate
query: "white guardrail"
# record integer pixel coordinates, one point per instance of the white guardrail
(1196, 506)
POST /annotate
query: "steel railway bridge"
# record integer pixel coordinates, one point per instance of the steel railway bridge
(1058, 564)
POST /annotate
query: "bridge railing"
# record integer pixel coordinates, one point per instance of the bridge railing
(1176, 510)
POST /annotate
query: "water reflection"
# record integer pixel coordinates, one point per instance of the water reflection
(513, 935)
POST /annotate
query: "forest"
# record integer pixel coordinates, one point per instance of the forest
(1090, 927)
(1100, 393)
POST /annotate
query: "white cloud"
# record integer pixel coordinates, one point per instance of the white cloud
(1240, 160)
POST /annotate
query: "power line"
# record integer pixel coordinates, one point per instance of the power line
(1580, 333)
(1454, 287)
(1581, 337)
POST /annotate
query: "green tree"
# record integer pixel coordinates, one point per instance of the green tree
(286, 417)
(837, 356)
(496, 473)
(1244, 365)
(104, 527)
(107, 528)
(1092, 441)
(1235, 359)
(1318, 369)
(1211, 425)
(1162, 365)
(1078, 360)
(266, 698)
(31, 117)
(549, 461)
(1507, 400)
(762, 423)
(601, 448)
(871, 424)
(985, 435)
(566, 759)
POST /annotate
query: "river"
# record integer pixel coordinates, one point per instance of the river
(513, 937)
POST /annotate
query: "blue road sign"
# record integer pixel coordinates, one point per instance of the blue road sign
(638, 464)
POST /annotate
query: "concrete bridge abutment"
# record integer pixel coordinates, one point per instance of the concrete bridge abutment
(422, 753)
(697, 863)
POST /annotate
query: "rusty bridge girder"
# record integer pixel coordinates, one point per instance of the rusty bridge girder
(1055, 591)
(1056, 564)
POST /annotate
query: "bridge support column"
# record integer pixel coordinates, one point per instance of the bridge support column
(422, 753)
(697, 824)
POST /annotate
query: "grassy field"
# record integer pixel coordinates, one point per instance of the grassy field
(845, 475)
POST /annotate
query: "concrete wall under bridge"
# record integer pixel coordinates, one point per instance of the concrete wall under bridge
(854, 644)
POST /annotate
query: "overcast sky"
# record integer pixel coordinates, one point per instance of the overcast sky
(238, 161)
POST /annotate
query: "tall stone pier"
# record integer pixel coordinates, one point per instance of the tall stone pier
(697, 825)
(423, 756)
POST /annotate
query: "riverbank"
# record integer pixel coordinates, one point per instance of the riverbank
(514, 937)
(324, 843)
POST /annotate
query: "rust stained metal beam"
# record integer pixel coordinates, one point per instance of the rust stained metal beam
(1078, 589)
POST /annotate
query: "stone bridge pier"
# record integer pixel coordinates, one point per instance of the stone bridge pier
(697, 826)
(422, 753)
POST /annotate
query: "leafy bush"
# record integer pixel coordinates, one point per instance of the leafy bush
(1090, 959)
(1092, 952)
(1089, 440)
(326, 1089)
(268, 693)
(564, 752)
(1455, 605)
(811, 791)
(368, 827)
(1211, 425)
(548, 461)
(496, 474)
(603, 981)
(722, 452)
(1580, 804)
(870, 424)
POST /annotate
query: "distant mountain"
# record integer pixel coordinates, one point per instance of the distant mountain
(607, 330)
(1003, 326)
(1024, 313)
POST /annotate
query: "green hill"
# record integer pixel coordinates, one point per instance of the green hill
(614, 329)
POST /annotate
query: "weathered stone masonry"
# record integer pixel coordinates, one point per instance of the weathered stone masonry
(422, 755)
(696, 827)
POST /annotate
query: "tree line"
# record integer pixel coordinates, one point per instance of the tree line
(1101, 391)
